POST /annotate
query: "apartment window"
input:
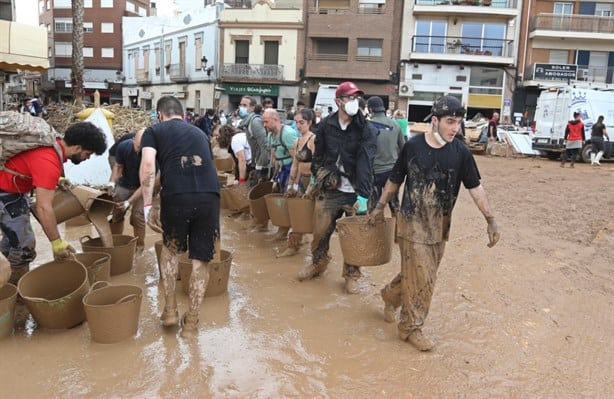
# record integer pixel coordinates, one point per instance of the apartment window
(106, 3)
(486, 81)
(87, 4)
(487, 39)
(430, 36)
(558, 57)
(130, 7)
(326, 5)
(271, 52)
(142, 12)
(369, 47)
(106, 27)
(88, 27)
(371, 6)
(63, 25)
(63, 49)
(167, 53)
(41, 7)
(198, 52)
(62, 4)
(331, 46)
(241, 51)
(88, 52)
(107, 52)
(157, 59)
(563, 8)
(48, 5)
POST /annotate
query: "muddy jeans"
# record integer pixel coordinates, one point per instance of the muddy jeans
(18, 241)
(412, 289)
(328, 208)
(137, 218)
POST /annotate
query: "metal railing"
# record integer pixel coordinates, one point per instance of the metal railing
(462, 45)
(142, 76)
(484, 3)
(179, 71)
(252, 71)
(572, 23)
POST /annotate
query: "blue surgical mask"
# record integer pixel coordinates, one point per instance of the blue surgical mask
(243, 112)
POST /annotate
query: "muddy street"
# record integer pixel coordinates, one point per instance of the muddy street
(531, 317)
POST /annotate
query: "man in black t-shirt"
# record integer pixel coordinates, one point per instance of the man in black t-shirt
(492, 127)
(190, 204)
(432, 166)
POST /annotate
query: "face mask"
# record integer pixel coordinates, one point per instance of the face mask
(243, 112)
(439, 139)
(210, 117)
(351, 107)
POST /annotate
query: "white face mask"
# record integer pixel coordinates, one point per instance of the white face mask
(351, 107)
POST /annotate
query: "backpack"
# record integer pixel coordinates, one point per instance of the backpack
(23, 132)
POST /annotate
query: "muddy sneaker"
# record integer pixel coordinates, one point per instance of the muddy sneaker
(287, 252)
(417, 339)
(308, 272)
(170, 317)
(189, 326)
(389, 310)
(351, 286)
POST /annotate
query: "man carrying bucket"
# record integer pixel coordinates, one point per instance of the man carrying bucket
(433, 166)
(345, 146)
(39, 169)
(190, 205)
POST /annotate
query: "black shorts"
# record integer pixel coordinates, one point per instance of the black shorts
(191, 221)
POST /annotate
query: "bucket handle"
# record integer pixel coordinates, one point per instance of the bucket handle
(99, 284)
(126, 298)
(81, 240)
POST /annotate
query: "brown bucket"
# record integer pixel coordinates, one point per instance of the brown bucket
(112, 311)
(257, 204)
(98, 265)
(8, 297)
(363, 244)
(236, 196)
(219, 273)
(277, 208)
(158, 247)
(53, 293)
(224, 164)
(65, 206)
(300, 211)
(122, 252)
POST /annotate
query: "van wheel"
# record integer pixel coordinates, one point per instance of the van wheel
(587, 150)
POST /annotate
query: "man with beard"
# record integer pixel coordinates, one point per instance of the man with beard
(39, 169)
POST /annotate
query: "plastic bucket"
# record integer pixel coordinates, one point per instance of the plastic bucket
(257, 204)
(300, 211)
(224, 164)
(122, 252)
(158, 247)
(235, 196)
(66, 206)
(277, 208)
(98, 265)
(364, 244)
(8, 297)
(112, 311)
(53, 293)
(219, 273)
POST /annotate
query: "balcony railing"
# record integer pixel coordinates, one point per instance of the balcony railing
(485, 3)
(572, 23)
(252, 71)
(462, 45)
(178, 72)
(142, 76)
(16, 88)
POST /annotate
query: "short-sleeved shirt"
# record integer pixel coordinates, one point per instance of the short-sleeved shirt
(131, 162)
(239, 143)
(597, 130)
(184, 157)
(432, 181)
(42, 164)
(282, 152)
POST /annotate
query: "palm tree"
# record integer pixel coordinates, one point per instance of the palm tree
(77, 52)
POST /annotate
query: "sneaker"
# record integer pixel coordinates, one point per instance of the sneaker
(351, 286)
(417, 339)
(189, 326)
(170, 317)
(308, 272)
(287, 252)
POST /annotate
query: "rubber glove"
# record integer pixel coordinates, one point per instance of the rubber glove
(493, 232)
(62, 250)
(110, 186)
(291, 191)
(361, 205)
(146, 210)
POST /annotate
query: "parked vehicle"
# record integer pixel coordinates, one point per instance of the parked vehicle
(325, 98)
(556, 106)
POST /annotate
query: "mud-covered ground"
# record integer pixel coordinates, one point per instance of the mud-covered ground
(529, 318)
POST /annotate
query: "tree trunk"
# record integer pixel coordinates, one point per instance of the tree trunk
(77, 52)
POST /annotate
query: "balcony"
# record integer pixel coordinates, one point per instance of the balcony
(16, 88)
(462, 49)
(575, 30)
(178, 72)
(142, 76)
(255, 72)
(484, 3)
(467, 7)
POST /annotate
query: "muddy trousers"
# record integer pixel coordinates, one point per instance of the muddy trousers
(137, 218)
(329, 207)
(412, 289)
(18, 240)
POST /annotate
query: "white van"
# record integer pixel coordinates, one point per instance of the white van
(556, 106)
(325, 98)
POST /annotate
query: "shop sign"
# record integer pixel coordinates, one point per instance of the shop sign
(555, 72)
(251, 90)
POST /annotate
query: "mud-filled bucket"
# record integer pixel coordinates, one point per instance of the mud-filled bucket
(257, 204)
(364, 244)
(8, 298)
(65, 206)
(98, 265)
(300, 211)
(53, 292)
(122, 252)
(277, 208)
(219, 273)
(158, 247)
(112, 311)
(224, 164)
(235, 196)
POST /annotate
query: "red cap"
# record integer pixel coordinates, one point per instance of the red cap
(348, 89)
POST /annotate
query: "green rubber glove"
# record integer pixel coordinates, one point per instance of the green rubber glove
(361, 205)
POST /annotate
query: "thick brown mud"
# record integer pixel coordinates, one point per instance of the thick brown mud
(531, 317)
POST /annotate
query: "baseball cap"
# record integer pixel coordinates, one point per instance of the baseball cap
(376, 104)
(347, 89)
(448, 106)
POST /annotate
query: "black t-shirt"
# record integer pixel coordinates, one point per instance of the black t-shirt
(184, 157)
(131, 161)
(123, 138)
(432, 181)
(492, 124)
(597, 130)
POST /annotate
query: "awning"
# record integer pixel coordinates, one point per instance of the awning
(23, 47)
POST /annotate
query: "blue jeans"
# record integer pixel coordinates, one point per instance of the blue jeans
(283, 174)
(18, 240)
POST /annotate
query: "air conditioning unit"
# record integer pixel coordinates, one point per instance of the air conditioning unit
(406, 89)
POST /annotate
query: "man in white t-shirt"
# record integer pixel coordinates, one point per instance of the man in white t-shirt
(243, 153)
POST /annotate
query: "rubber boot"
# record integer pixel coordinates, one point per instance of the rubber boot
(169, 270)
(198, 285)
(17, 271)
(294, 244)
(351, 286)
(593, 155)
(573, 161)
(314, 269)
(417, 339)
(598, 158)
(117, 227)
(139, 233)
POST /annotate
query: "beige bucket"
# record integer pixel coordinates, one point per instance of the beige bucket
(53, 293)
(8, 297)
(224, 164)
(235, 196)
(218, 275)
(98, 265)
(277, 208)
(363, 244)
(69, 204)
(257, 204)
(122, 252)
(300, 211)
(158, 247)
(112, 311)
